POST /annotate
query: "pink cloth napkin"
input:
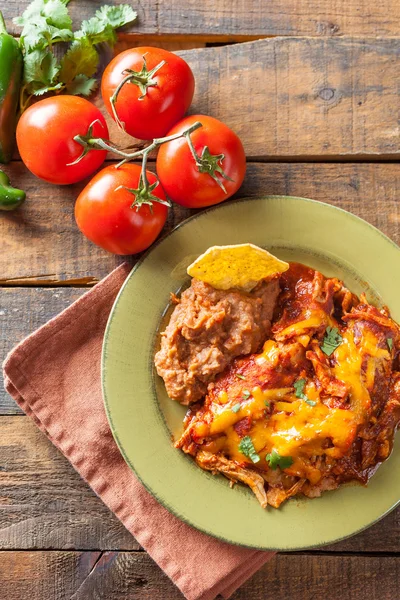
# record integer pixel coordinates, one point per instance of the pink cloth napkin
(54, 376)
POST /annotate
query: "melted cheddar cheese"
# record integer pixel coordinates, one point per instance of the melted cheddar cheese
(292, 426)
(306, 403)
(294, 429)
(356, 364)
(314, 320)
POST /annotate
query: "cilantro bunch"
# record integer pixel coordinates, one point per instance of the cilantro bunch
(46, 23)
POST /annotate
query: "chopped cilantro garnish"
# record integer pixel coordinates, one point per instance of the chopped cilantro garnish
(236, 408)
(332, 339)
(276, 460)
(389, 342)
(239, 376)
(246, 447)
(266, 403)
(246, 394)
(299, 386)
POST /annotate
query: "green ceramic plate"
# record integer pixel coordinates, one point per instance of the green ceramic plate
(143, 419)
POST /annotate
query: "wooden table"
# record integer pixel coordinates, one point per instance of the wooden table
(316, 103)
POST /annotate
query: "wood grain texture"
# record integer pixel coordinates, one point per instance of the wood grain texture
(45, 504)
(238, 19)
(84, 9)
(42, 245)
(303, 97)
(300, 98)
(281, 17)
(134, 576)
(21, 312)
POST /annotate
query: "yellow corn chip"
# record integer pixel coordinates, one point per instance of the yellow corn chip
(241, 266)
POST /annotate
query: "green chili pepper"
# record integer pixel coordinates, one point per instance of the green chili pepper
(10, 197)
(11, 62)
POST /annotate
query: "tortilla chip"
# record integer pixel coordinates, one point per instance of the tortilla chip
(241, 266)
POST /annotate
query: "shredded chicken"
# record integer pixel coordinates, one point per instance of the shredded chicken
(330, 384)
(231, 470)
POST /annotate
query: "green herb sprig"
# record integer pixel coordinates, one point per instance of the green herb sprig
(299, 386)
(239, 376)
(246, 447)
(332, 339)
(275, 460)
(46, 23)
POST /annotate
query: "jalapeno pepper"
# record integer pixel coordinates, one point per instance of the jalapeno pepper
(11, 62)
(10, 197)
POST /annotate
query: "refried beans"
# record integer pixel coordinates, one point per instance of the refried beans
(207, 330)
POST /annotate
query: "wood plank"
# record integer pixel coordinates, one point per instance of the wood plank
(173, 43)
(281, 17)
(84, 9)
(22, 310)
(42, 246)
(238, 19)
(41, 500)
(303, 97)
(128, 576)
(300, 98)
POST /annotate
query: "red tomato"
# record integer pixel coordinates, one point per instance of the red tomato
(149, 112)
(183, 180)
(45, 138)
(105, 214)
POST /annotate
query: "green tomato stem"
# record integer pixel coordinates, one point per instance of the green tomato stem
(90, 143)
(143, 79)
(144, 192)
(209, 163)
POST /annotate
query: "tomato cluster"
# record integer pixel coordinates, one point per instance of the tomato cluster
(147, 91)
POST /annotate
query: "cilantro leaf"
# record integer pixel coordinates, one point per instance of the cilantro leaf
(116, 15)
(100, 28)
(81, 59)
(44, 22)
(299, 386)
(39, 35)
(236, 408)
(275, 460)
(47, 89)
(47, 22)
(266, 403)
(54, 11)
(40, 69)
(389, 342)
(246, 447)
(81, 85)
(332, 339)
(311, 402)
(96, 32)
(246, 394)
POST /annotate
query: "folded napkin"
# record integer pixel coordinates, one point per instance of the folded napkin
(54, 376)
